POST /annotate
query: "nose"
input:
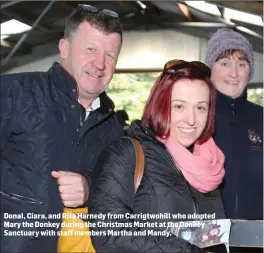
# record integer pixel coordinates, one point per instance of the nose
(233, 71)
(99, 62)
(190, 117)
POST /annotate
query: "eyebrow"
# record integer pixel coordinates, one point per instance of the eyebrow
(180, 100)
(230, 57)
(95, 45)
(242, 58)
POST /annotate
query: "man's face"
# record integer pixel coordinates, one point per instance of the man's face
(230, 75)
(90, 56)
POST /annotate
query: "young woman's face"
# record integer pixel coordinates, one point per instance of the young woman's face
(230, 74)
(189, 110)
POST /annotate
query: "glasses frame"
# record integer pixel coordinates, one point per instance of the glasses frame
(174, 65)
(93, 9)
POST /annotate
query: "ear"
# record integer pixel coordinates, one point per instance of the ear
(64, 48)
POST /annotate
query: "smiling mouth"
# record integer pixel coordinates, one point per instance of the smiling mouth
(232, 82)
(187, 130)
(93, 75)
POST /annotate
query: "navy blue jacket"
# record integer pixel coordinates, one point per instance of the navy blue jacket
(41, 132)
(239, 134)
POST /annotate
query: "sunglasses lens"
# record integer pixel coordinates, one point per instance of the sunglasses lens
(110, 13)
(173, 63)
(172, 66)
(89, 8)
(202, 67)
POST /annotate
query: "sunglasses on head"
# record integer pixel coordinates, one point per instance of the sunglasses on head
(90, 8)
(172, 66)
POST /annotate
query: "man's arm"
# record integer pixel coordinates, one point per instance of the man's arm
(7, 107)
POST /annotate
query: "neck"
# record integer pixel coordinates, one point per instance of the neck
(85, 102)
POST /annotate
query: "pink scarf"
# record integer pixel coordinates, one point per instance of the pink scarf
(203, 168)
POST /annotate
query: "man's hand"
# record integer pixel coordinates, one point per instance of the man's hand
(73, 188)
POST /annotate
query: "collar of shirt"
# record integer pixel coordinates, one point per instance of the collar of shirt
(94, 105)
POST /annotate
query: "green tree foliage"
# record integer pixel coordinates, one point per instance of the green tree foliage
(131, 91)
(256, 96)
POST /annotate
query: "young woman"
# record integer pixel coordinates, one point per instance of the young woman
(183, 167)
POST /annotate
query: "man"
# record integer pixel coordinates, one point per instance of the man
(239, 124)
(54, 125)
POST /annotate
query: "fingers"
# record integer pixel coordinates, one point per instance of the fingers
(69, 189)
(58, 174)
(67, 177)
(71, 204)
(74, 179)
(73, 199)
(73, 188)
(72, 196)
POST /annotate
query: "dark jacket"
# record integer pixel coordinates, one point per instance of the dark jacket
(163, 189)
(239, 134)
(41, 132)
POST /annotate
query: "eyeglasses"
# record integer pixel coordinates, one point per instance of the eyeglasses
(90, 8)
(172, 66)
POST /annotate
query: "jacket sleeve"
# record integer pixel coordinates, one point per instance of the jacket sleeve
(112, 192)
(7, 107)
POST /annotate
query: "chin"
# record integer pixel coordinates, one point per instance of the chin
(186, 144)
(231, 92)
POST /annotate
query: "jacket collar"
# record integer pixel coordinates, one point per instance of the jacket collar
(226, 103)
(107, 105)
(66, 83)
(63, 80)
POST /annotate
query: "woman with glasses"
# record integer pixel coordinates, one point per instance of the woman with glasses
(183, 168)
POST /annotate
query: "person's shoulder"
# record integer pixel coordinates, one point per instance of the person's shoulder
(23, 75)
(121, 149)
(24, 78)
(116, 124)
(255, 111)
(121, 144)
(255, 107)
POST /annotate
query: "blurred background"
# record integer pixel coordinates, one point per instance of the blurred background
(154, 33)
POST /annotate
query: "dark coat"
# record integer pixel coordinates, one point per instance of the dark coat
(41, 132)
(239, 134)
(163, 189)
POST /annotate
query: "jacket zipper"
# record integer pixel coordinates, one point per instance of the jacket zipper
(194, 202)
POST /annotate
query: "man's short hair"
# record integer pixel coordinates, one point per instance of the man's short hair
(100, 20)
